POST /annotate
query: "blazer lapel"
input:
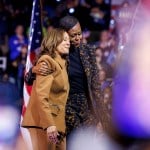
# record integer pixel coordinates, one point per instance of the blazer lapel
(85, 61)
(60, 61)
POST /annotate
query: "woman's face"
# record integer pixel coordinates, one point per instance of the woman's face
(75, 34)
(102, 75)
(63, 47)
(104, 36)
(98, 54)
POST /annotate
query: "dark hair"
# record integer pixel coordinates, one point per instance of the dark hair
(68, 22)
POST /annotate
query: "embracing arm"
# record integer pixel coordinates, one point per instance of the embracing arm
(29, 77)
(40, 69)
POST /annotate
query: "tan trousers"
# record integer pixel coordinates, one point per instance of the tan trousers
(40, 141)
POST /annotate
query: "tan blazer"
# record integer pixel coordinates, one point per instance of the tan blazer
(49, 94)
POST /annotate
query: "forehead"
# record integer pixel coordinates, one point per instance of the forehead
(65, 34)
(98, 51)
(75, 29)
(104, 33)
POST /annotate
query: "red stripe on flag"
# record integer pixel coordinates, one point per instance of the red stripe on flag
(23, 109)
(32, 57)
(28, 88)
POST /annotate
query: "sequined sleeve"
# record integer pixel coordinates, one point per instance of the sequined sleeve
(29, 77)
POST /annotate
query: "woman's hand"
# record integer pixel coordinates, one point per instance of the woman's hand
(41, 69)
(52, 134)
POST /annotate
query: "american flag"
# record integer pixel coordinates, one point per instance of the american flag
(35, 38)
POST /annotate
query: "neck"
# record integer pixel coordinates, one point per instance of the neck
(63, 56)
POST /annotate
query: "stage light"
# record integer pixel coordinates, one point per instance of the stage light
(112, 21)
(71, 10)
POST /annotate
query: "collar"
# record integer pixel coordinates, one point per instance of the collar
(60, 60)
(73, 48)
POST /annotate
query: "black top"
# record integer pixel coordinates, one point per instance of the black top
(77, 77)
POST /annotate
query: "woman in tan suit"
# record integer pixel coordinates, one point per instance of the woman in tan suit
(45, 114)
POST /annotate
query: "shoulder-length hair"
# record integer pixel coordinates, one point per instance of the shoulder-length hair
(50, 42)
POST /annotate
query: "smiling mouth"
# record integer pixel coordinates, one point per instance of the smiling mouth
(67, 47)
